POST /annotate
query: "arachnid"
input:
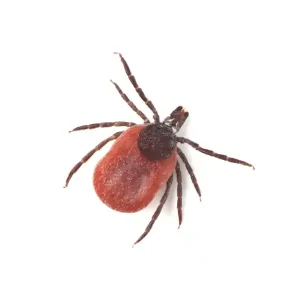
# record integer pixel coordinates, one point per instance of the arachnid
(142, 159)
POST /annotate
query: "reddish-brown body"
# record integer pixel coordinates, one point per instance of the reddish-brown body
(142, 159)
(127, 181)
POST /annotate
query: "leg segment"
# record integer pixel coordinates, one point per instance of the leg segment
(130, 103)
(190, 171)
(179, 193)
(104, 124)
(90, 154)
(158, 210)
(138, 89)
(212, 153)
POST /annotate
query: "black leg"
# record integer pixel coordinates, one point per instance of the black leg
(130, 103)
(179, 193)
(190, 171)
(138, 89)
(212, 153)
(158, 210)
(102, 125)
(90, 154)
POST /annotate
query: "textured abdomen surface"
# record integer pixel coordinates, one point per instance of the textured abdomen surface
(127, 181)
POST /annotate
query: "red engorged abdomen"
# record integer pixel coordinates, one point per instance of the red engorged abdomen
(127, 181)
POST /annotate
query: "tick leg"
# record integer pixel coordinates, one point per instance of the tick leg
(212, 153)
(130, 103)
(179, 193)
(190, 171)
(158, 210)
(90, 154)
(104, 124)
(138, 89)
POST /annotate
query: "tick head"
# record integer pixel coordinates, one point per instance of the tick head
(157, 141)
(177, 118)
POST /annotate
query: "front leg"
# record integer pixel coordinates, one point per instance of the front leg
(212, 153)
(102, 125)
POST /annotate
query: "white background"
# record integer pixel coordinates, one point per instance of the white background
(234, 65)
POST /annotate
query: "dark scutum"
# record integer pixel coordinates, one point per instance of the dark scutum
(157, 141)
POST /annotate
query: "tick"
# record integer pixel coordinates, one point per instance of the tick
(142, 159)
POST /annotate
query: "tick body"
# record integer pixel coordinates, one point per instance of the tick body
(125, 179)
(142, 159)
